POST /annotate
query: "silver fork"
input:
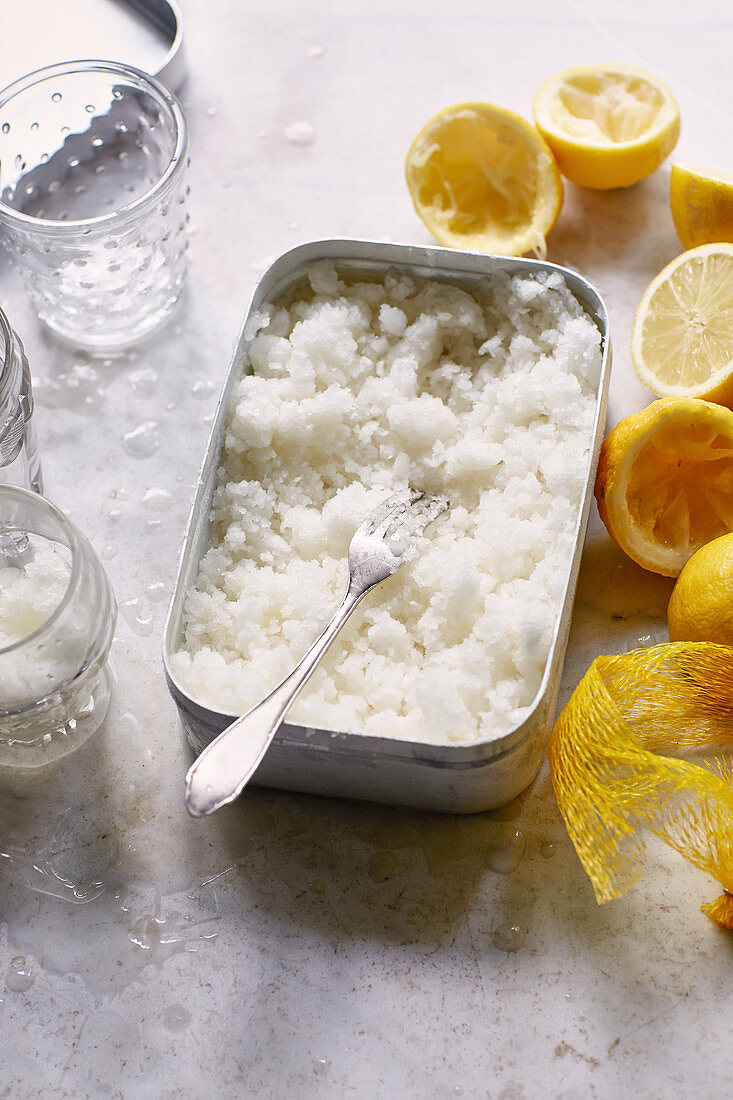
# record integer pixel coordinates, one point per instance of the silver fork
(377, 550)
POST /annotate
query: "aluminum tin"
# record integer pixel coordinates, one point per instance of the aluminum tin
(165, 16)
(449, 778)
(147, 34)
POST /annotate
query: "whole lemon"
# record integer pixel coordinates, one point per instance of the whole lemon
(701, 606)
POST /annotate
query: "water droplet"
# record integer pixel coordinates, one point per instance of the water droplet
(143, 441)
(300, 132)
(547, 849)
(176, 1018)
(506, 849)
(211, 111)
(509, 936)
(293, 225)
(646, 639)
(139, 622)
(19, 977)
(57, 97)
(157, 591)
(6, 127)
(262, 265)
(108, 552)
(158, 500)
(144, 382)
(202, 389)
(322, 1065)
(315, 52)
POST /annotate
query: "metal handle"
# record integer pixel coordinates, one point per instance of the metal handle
(224, 768)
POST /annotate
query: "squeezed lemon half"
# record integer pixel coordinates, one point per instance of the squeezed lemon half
(701, 201)
(682, 336)
(482, 178)
(608, 125)
(664, 485)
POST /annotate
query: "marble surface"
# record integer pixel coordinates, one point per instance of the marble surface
(295, 946)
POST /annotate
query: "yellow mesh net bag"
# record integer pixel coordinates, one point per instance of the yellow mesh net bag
(613, 756)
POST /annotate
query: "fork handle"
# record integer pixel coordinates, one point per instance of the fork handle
(224, 768)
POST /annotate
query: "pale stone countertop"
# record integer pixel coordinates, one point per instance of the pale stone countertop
(302, 947)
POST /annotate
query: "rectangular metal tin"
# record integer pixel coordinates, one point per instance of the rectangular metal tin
(447, 778)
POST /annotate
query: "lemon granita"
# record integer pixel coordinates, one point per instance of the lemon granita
(486, 395)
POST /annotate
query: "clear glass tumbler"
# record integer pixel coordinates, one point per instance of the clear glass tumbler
(57, 620)
(93, 158)
(19, 461)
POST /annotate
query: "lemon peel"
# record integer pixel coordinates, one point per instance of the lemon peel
(613, 775)
(701, 202)
(664, 485)
(608, 125)
(701, 605)
(481, 178)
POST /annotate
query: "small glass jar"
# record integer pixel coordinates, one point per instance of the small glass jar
(93, 159)
(19, 462)
(57, 621)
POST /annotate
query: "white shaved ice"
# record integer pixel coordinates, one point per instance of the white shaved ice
(486, 396)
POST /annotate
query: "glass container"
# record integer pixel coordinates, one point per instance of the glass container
(93, 158)
(57, 620)
(19, 461)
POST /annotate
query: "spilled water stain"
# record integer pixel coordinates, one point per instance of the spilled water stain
(80, 387)
(176, 1018)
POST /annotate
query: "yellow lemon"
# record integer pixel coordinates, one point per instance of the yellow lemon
(682, 336)
(482, 178)
(664, 485)
(701, 202)
(701, 606)
(608, 125)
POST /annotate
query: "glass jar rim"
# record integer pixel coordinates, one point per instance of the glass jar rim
(142, 202)
(75, 546)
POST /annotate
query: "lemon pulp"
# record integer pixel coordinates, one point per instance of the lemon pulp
(665, 481)
(608, 125)
(682, 336)
(481, 177)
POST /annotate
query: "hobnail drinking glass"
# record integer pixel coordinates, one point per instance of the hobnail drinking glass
(93, 158)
